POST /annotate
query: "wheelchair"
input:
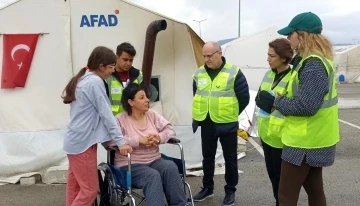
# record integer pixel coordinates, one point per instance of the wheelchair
(115, 188)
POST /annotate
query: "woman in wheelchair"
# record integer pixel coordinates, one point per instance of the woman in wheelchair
(144, 130)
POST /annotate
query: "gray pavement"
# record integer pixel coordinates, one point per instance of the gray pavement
(349, 90)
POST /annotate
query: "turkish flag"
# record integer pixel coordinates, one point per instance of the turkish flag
(18, 52)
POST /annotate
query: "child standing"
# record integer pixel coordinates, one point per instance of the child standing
(91, 122)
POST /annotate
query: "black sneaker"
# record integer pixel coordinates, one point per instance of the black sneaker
(189, 202)
(229, 199)
(203, 194)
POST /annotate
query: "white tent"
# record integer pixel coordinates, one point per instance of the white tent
(251, 50)
(33, 119)
(250, 53)
(347, 62)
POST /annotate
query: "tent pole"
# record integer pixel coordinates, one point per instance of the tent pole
(239, 18)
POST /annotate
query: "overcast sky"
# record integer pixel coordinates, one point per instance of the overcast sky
(341, 18)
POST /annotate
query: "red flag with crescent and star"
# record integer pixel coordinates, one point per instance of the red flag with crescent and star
(18, 52)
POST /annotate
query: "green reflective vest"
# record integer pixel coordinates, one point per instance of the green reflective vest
(216, 97)
(270, 128)
(115, 92)
(320, 130)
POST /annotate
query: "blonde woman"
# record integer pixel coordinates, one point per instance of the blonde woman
(311, 112)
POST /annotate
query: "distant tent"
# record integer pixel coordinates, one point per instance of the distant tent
(224, 41)
(250, 53)
(250, 50)
(347, 62)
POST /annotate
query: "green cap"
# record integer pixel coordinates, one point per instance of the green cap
(306, 21)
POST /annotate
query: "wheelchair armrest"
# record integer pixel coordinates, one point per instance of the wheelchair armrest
(173, 141)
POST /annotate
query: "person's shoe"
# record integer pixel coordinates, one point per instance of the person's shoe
(203, 194)
(229, 199)
(189, 202)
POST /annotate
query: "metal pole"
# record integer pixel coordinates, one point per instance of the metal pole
(239, 17)
(199, 21)
(200, 29)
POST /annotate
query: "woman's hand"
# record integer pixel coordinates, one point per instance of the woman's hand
(144, 140)
(154, 139)
(125, 149)
(150, 140)
(265, 101)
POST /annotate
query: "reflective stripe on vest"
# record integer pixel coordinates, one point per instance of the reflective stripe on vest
(317, 131)
(329, 100)
(270, 128)
(115, 91)
(216, 97)
(139, 79)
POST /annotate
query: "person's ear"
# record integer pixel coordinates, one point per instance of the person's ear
(131, 103)
(101, 67)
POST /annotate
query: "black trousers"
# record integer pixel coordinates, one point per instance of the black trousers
(229, 143)
(273, 166)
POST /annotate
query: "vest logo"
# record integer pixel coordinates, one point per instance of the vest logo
(202, 82)
(116, 90)
(110, 20)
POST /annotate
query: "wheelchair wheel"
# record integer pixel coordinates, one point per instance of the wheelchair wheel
(108, 195)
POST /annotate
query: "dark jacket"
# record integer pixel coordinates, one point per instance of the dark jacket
(264, 100)
(133, 74)
(242, 94)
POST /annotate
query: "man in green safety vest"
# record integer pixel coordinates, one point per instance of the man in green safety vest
(221, 93)
(123, 75)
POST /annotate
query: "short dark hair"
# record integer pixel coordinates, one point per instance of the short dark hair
(129, 93)
(282, 48)
(125, 47)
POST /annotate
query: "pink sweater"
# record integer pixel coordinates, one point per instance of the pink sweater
(156, 124)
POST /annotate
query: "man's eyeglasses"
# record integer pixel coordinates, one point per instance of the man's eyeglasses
(210, 55)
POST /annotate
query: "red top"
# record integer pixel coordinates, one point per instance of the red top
(124, 76)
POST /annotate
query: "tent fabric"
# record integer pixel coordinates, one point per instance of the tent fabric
(251, 50)
(347, 62)
(198, 44)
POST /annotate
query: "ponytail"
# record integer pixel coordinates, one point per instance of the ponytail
(69, 91)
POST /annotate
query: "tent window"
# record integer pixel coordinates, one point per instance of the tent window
(155, 88)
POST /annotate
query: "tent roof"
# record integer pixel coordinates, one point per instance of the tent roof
(224, 41)
(143, 8)
(9, 4)
(127, 2)
(241, 38)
